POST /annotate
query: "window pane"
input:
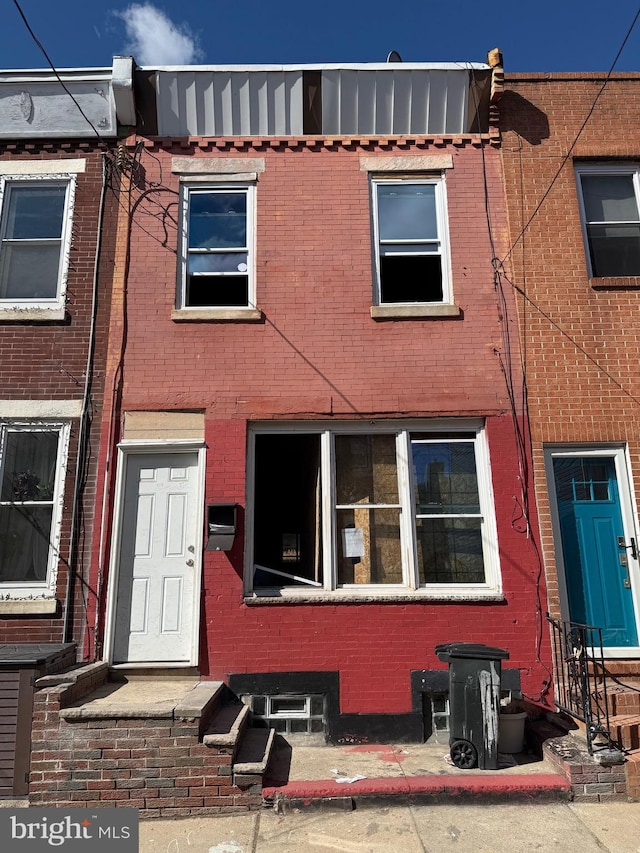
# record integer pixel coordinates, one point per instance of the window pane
(407, 212)
(288, 705)
(287, 503)
(29, 270)
(217, 291)
(445, 477)
(217, 220)
(409, 248)
(29, 466)
(369, 546)
(24, 542)
(615, 249)
(218, 262)
(366, 470)
(35, 212)
(406, 278)
(450, 550)
(609, 198)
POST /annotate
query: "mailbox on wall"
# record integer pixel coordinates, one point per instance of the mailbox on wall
(221, 526)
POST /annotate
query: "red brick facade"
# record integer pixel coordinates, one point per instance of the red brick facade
(47, 361)
(318, 354)
(578, 334)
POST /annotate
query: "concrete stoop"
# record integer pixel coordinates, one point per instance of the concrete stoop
(170, 746)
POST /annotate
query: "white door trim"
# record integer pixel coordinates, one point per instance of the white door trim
(126, 449)
(620, 454)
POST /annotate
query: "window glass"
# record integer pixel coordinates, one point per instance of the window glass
(361, 502)
(409, 242)
(369, 550)
(217, 220)
(450, 550)
(30, 253)
(609, 198)
(35, 212)
(366, 471)
(612, 222)
(445, 476)
(407, 212)
(218, 261)
(27, 484)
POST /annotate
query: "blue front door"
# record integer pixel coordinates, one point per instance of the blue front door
(594, 551)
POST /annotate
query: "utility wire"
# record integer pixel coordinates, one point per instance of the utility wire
(575, 141)
(58, 78)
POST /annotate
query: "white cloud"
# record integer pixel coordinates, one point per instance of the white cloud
(153, 39)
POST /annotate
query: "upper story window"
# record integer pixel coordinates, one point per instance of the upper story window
(32, 465)
(411, 236)
(217, 257)
(35, 232)
(609, 199)
(359, 508)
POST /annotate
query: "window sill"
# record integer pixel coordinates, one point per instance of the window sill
(619, 282)
(412, 312)
(421, 596)
(28, 606)
(216, 315)
(32, 315)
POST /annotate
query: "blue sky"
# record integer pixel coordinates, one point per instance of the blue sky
(565, 35)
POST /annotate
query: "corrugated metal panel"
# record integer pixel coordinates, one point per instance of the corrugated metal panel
(229, 103)
(37, 109)
(394, 101)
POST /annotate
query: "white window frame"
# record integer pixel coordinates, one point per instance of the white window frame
(438, 181)
(249, 190)
(46, 588)
(492, 586)
(632, 170)
(68, 180)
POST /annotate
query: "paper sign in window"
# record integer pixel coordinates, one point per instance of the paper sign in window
(353, 542)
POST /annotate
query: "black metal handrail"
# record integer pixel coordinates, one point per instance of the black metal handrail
(581, 683)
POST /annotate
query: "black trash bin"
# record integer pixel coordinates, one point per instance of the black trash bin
(474, 702)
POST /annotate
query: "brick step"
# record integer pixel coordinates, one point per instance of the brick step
(625, 730)
(623, 699)
(632, 768)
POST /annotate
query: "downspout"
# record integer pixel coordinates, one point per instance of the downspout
(84, 419)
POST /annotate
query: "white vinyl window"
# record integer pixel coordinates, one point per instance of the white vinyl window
(32, 469)
(411, 239)
(353, 507)
(610, 209)
(216, 268)
(35, 234)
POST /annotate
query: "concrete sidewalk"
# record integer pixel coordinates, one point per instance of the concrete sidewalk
(562, 827)
(355, 776)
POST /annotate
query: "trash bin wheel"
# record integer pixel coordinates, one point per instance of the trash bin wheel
(463, 754)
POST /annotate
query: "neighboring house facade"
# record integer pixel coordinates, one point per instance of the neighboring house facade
(312, 455)
(571, 163)
(57, 181)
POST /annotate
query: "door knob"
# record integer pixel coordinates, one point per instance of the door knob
(189, 562)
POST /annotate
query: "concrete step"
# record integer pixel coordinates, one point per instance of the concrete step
(227, 726)
(385, 791)
(252, 757)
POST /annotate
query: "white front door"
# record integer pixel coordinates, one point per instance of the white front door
(155, 604)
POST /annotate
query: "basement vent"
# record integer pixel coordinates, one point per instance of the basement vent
(289, 714)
